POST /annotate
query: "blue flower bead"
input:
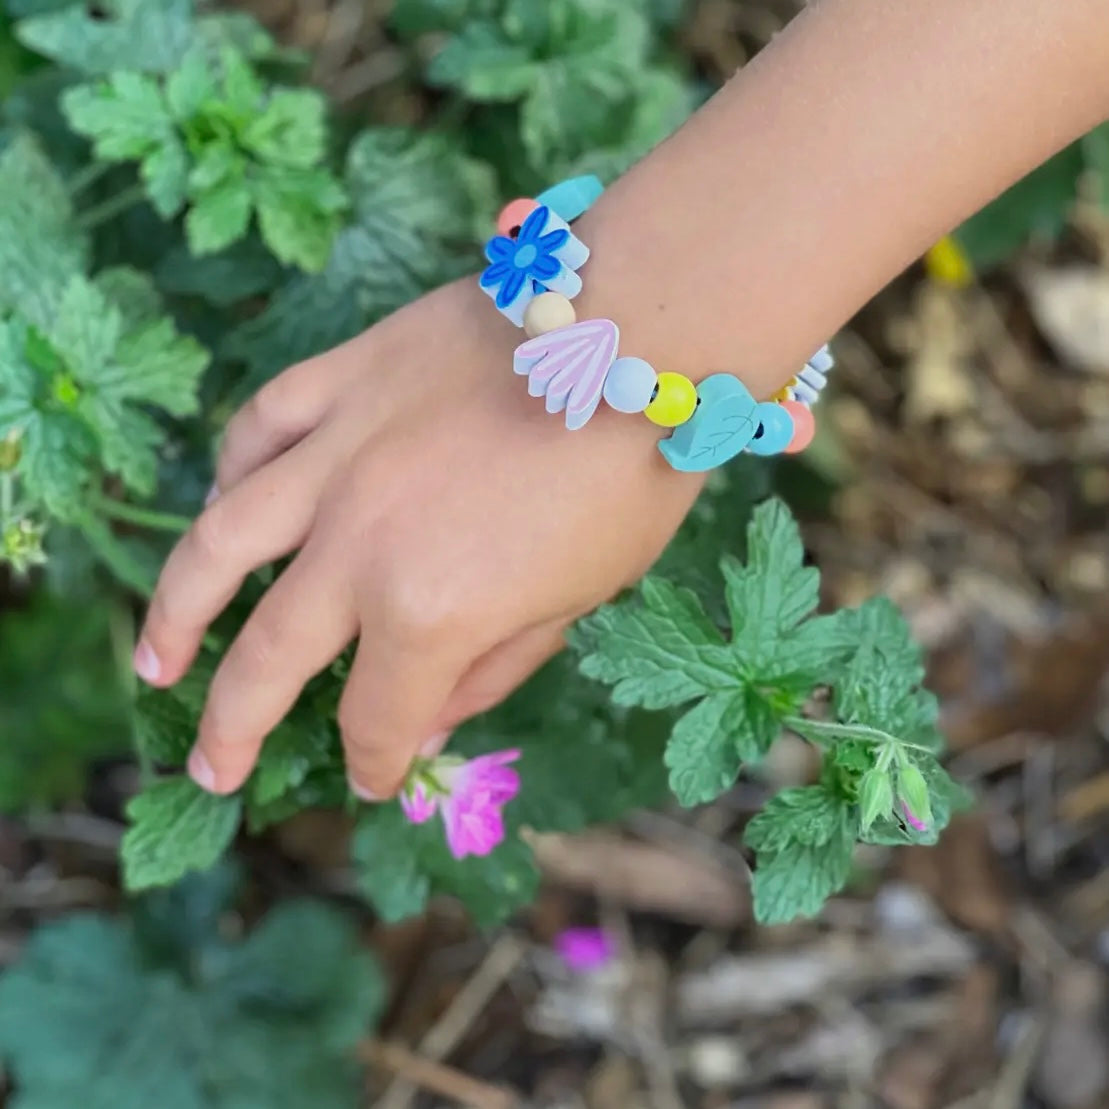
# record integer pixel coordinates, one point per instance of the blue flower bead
(544, 256)
(774, 429)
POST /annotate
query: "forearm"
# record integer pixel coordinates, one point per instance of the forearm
(863, 133)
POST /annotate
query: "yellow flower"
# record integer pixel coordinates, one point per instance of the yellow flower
(947, 264)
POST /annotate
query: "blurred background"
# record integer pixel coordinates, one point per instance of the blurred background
(963, 469)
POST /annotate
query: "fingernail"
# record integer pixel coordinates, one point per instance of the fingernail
(146, 662)
(434, 745)
(200, 770)
(212, 494)
(362, 792)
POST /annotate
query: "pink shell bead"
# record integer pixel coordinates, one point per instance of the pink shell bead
(514, 213)
(804, 426)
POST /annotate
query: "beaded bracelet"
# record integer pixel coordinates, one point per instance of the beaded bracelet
(532, 277)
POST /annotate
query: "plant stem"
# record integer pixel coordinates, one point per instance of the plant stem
(87, 176)
(832, 730)
(142, 517)
(7, 497)
(113, 206)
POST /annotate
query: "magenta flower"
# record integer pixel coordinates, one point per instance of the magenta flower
(584, 949)
(469, 795)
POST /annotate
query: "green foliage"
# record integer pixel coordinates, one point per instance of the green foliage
(212, 136)
(162, 1010)
(179, 224)
(64, 704)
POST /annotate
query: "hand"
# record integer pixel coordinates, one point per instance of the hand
(441, 516)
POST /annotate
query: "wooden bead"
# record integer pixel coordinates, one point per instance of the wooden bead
(514, 213)
(674, 402)
(548, 312)
(804, 426)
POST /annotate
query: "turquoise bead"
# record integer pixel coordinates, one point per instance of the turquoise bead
(572, 197)
(777, 429)
(630, 384)
(720, 427)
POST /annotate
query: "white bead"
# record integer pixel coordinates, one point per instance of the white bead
(822, 361)
(630, 384)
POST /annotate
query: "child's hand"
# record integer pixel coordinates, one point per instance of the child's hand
(442, 517)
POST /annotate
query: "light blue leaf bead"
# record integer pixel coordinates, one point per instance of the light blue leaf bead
(630, 384)
(776, 426)
(573, 197)
(720, 427)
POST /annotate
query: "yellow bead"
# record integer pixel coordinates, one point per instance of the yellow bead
(783, 393)
(674, 402)
(947, 263)
(548, 312)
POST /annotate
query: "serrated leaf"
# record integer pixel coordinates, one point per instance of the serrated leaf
(206, 1023)
(147, 35)
(661, 653)
(290, 131)
(40, 247)
(165, 173)
(66, 705)
(243, 270)
(218, 216)
(299, 214)
(125, 117)
(176, 827)
(190, 86)
(484, 64)
(709, 744)
(419, 208)
(795, 882)
(810, 816)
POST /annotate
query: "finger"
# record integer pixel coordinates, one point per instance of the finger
(276, 418)
(301, 624)
(494, 676)
(395, 693)
(261, 519)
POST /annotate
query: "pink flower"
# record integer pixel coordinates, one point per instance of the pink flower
(919, 825)
(584, 949)
(469, 795)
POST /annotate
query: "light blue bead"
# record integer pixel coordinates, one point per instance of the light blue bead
(822, 361)
(572, 197)
(630, 384)
(777, 429)
(718, 430)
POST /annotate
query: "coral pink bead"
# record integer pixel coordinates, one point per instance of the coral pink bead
(514, 213)
(804, 426)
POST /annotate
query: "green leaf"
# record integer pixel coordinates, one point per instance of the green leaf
(125, 116)
(190, 86)
(1037, 206)
(661, 653)
(165, 173)
(481, 62)
(420, 207)
(219, 216)
(662, 650)
(803, 841)
(66, 705)
(147, 35)
(299, 214)
(243, 270)
(796, 881)
(702, 767)
(809, 816)
(176, 827)
(40, 247)
(291, 131)
(205, 1022)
